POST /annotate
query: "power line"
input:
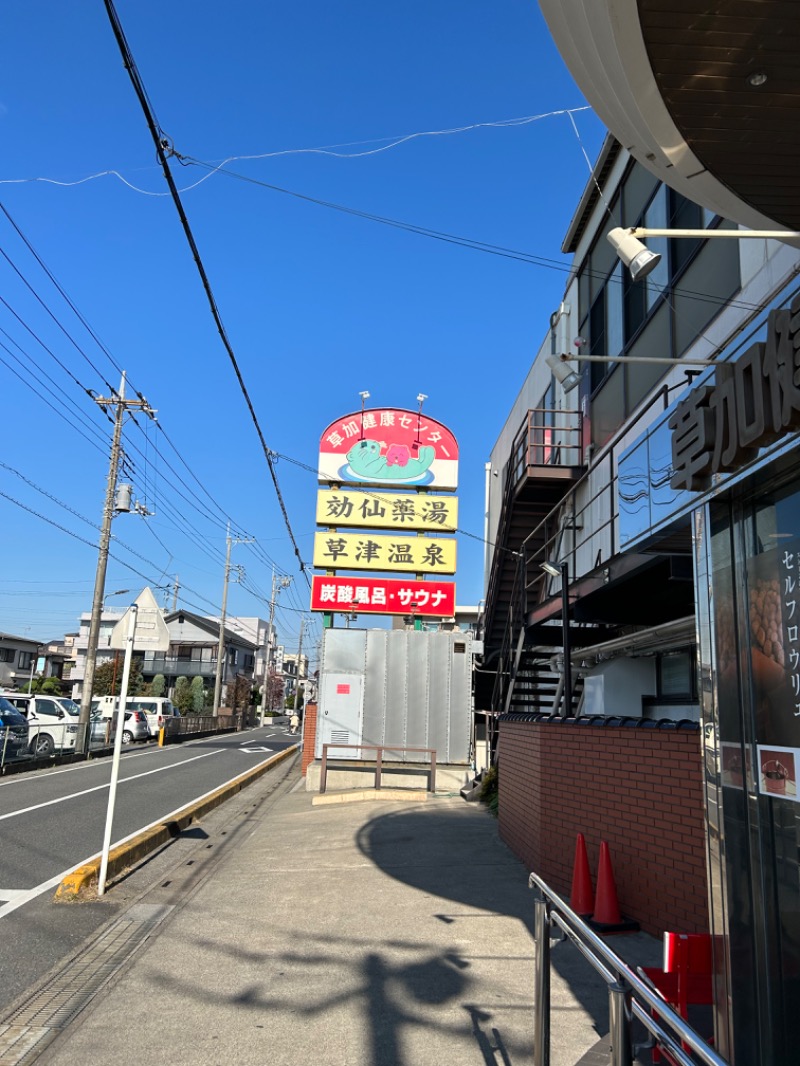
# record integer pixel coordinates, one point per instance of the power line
(452, 238)
(162, 144)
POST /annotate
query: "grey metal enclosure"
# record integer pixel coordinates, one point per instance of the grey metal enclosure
(403, 687)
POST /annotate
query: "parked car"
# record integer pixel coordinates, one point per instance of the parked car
(101, 730)
(13, 732)
(135, 726)
(160, 711)
(51, 726)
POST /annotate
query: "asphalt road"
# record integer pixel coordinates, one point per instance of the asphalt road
(53, 820)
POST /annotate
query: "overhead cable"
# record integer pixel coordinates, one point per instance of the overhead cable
(162, 145)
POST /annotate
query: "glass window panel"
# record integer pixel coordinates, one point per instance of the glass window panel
(637, 190)
(608, 406)
(597, 326)
(584, 292)
(635, 300)
(684, 214)
(707, 283)
(676, 675)
(603, 258)
(656, 218)
(615, 337)
(652, 341)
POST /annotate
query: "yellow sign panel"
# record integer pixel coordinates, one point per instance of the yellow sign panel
(363, 551)
(387, 510)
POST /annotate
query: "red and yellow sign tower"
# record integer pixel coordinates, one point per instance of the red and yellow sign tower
(395, 471)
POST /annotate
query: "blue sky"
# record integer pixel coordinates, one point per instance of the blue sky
(318, 304)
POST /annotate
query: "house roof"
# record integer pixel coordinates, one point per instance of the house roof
(211, 626)
(19, 640)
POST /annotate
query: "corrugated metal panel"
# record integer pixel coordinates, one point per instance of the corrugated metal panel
(417, 711)
(417, 691)
(439, 702)
(375, 687)
(396, 726)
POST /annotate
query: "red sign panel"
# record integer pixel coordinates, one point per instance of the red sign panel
(342, 690)
(389, 446)
(428, 599)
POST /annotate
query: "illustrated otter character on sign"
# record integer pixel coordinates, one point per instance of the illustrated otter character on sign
(368, 462)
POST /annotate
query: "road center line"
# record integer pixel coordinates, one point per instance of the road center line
(97, 788)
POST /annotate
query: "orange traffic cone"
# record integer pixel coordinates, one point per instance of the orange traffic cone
(606, 908)
(581, 898)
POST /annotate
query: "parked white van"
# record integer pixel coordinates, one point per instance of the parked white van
(52, 726)
(159, 711)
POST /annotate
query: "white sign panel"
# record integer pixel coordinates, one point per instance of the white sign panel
(151, 630)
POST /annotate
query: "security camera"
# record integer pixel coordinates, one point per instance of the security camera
(639, 260)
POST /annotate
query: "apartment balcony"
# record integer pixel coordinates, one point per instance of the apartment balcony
(174, 667)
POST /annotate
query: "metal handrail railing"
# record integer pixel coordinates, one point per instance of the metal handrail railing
(628, 995)
(380, 749)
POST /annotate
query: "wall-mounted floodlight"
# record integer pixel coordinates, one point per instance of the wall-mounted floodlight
(551, 569)
(568, 379)
(639, 260)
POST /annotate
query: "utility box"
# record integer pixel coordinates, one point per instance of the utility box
(383, 687)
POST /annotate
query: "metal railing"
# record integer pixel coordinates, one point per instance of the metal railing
(44, 741)
(323, 775)
(629, 996)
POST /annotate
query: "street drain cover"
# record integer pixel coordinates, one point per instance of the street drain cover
(28, 1030)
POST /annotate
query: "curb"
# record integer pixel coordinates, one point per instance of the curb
(361, 794)
(135, 849)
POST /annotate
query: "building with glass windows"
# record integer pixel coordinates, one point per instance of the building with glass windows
(644, 678)
(648, 684)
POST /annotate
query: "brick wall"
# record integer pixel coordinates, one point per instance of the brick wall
(309, 735)
(640, 790)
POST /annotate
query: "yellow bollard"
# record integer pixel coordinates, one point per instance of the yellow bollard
(161, 734)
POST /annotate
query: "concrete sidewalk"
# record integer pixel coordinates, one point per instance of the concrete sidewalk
(358, 934)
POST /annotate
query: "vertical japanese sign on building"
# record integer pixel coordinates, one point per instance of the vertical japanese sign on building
(774, 613)
(386, 469)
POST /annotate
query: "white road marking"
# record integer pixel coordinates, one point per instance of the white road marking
(10, 893)
(97, 788)
(89, 764)
(26, 895)
(253, 751)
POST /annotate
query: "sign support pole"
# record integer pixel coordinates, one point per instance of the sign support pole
(112, 792)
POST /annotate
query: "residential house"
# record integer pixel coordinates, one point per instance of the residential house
(194, 641)
(18, 656)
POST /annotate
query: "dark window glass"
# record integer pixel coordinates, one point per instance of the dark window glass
(683, 215)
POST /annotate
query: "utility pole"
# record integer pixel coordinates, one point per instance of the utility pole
(175, 588)
(299, 665)
(221, 642)
(122, 406)
(284, 583)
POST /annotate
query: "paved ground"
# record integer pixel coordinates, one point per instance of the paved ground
(361, 934)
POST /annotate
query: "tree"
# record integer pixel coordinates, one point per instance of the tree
(275, 688)
(239, 693)
(157, 685)
(45, 686)
(183, 695)
(108, 678)
(198, 695)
